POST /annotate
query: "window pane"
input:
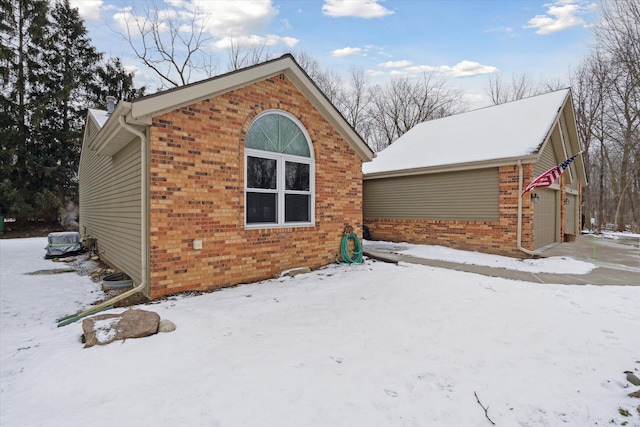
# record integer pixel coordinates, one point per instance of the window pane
(262, 208)
(261, 173)
(263, 134)
(279, 134)
(297, 176)
(297, 208)
(292, 140)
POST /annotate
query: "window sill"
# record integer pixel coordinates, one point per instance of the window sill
(279, 227)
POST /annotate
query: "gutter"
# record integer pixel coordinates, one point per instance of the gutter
(519, 232)
(109, 304)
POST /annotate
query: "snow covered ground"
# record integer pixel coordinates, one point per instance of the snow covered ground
(366, 345)
(545, 265)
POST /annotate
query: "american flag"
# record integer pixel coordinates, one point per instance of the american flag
(550, 176)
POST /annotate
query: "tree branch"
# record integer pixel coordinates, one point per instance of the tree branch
(486, 410)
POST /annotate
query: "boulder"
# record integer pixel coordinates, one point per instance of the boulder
(105, 328)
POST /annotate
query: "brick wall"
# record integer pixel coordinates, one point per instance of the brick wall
(496, 237)
(197, 192)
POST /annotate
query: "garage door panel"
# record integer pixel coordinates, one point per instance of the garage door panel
(570, 218)
(544, 218)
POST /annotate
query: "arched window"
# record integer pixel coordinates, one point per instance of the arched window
(279, 172)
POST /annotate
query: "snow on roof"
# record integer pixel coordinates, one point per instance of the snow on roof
(503, 131)
(100, 116)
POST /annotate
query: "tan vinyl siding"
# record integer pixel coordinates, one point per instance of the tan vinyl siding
(465, 195)
(547, 158)
(110, 206)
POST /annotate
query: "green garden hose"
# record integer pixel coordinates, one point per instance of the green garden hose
(351, 256)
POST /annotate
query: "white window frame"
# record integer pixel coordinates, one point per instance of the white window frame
(281, 190)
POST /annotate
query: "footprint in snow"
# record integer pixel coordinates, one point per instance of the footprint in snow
(391, 392)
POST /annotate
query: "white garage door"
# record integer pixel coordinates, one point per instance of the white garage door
(544, 218)
(570, 218)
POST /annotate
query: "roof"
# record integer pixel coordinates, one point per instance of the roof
(138, 114)
(511, 130)
(100, 116)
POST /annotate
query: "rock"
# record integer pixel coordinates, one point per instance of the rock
(105, 328)
(632, 378)
(166, 326)
(635, 394)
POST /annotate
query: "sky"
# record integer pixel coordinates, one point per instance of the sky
(464, 41)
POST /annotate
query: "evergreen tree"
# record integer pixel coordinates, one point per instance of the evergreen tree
(112, 79)
(64, 92)
(23, 31)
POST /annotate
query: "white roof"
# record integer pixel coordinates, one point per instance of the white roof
(100, 116)
(513, 129)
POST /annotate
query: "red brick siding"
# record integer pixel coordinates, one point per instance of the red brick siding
(197, 192)
(496, 237)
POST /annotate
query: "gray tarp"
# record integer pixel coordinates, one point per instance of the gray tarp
(63, 244)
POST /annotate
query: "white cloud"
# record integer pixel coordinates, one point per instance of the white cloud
(131, 69)
(395, 64)
(461, 69)
(269, 40)
(355, 8)
(286, 25)
(225, 21)
(561, 15)
(221, 18)
(88, 9)
(236, 18)
(466, 69)
(375, 73)
(346, 51)
(509, 31)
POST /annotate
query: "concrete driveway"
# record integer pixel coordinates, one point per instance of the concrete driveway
(617, 262)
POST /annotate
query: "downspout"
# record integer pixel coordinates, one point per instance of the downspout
(519, 232)
(106, 305)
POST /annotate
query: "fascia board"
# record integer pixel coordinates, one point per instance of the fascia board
(454, 167)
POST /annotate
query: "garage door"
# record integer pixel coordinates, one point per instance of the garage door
(544, 218)
(570, 218)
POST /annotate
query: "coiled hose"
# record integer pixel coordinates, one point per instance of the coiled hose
(348, 255)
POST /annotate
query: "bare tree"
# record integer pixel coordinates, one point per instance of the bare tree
(519, 86)
(354, 101)
(607, 104)
(242, 55)
(402, 103)
(171, 43)
(588, 89)
(618, 33)
(329, 82)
